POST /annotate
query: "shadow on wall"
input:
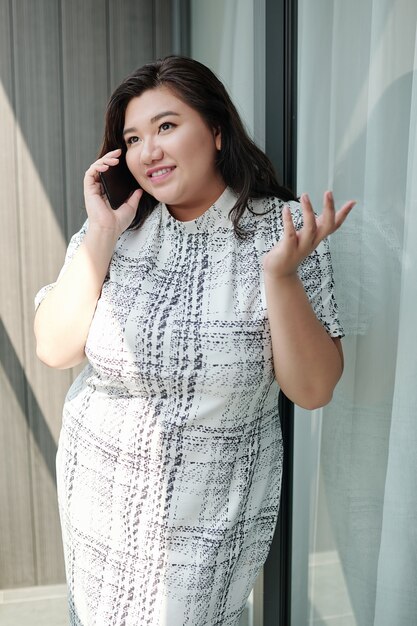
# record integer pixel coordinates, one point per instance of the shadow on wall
(39, 427)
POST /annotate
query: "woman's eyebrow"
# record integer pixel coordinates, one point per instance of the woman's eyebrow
(163, 114)
(154, 119)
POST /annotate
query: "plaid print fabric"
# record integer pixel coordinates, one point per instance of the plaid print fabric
(170, 455)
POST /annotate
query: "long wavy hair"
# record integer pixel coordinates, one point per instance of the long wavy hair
(242, 165)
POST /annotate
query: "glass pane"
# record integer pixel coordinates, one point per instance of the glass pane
(223, 37)
(320, 592)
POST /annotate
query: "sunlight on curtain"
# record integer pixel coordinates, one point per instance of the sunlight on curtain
(355, 505)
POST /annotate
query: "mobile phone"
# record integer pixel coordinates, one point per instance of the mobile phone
(118, 183)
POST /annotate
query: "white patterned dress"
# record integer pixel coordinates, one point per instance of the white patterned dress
(170, 455)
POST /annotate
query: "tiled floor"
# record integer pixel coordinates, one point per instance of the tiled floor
(34, 606)
(329, 598)
(47, 606)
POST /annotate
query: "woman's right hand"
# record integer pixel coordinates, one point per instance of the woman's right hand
(100, 213)
(63, 320)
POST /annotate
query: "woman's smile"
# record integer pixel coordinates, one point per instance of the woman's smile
(159, 174)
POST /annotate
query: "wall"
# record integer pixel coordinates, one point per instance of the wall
(59, 61)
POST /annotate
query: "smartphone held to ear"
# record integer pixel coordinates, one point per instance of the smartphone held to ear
(118, 183)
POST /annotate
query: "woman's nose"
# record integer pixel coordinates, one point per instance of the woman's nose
(151, 151)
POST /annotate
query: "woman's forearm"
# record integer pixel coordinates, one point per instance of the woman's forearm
(63, 319)
(307, 361)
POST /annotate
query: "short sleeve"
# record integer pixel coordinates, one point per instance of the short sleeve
(73, 246)
(316, 274)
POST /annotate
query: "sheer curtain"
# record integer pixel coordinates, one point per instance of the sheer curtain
(355, 507)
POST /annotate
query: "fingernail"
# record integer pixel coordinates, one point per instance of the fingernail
(305, 197)
(330, 195)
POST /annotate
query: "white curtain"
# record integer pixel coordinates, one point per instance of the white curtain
(355, 515)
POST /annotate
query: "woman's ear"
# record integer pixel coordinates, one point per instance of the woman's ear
(218, 138)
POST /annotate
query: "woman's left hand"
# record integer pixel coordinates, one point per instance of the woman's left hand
(284, 258)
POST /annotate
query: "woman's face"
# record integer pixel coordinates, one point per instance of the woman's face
(171, 152)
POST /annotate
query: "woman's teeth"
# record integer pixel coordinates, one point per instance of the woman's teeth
(165, 170)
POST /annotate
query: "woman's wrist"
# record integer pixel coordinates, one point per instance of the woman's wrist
(102, 235)
(289, 279)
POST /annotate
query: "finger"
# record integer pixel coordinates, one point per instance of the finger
(309, 218)
(129, 207)
(330, 220)
(110, 158)
(327, 218)
(92, 178)
(116, 152)
(133, 199)
(99, 167)
(288, 224)
(342, 213)
(328, 200)
(105, 163)
(92, 174)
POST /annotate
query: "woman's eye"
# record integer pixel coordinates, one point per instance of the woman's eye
(131, 140)
(166, 126)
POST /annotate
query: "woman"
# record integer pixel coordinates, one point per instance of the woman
(194, 302)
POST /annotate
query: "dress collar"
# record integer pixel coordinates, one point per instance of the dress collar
(213, 218)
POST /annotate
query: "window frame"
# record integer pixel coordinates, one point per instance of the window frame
(281, 147)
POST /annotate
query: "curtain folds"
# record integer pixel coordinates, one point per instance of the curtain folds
(357, 135)
(397, 565)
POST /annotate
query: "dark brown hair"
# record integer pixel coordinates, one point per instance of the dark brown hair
(243, 166)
